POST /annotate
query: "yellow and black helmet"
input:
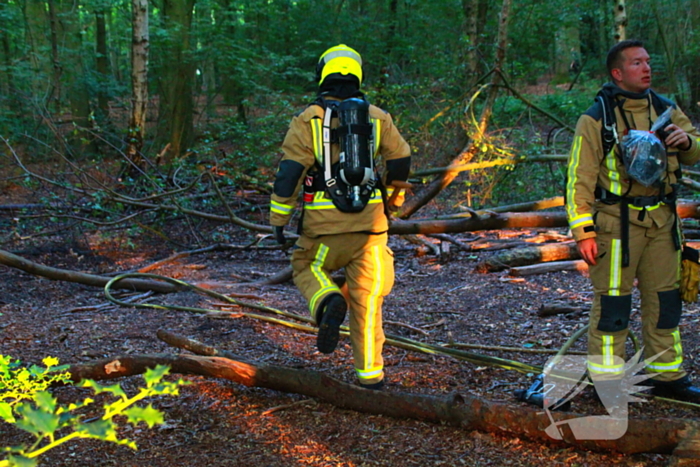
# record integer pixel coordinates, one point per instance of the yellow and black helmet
(339, 59)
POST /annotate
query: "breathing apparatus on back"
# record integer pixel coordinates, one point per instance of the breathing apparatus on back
(350, 182)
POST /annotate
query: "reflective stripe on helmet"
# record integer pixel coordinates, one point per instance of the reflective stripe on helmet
(341, 59)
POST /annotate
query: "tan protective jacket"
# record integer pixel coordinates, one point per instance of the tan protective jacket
(588, 167)
(301, 147)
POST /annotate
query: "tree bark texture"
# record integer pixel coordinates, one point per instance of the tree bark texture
(14, 261)
(177, 70)
(441, 182)
(102, 63)
(620, 20)
(686, 209)
(468, 412)
(529, 255)
(139, 81)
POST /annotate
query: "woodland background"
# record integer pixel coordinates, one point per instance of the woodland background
(180, 85)
(144, 136)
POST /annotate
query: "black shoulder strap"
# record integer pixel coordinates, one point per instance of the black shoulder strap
(608, 128)
(660, 103)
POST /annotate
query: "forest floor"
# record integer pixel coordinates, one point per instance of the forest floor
(219, 423)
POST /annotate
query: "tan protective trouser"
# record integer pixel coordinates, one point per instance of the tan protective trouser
(369, 274)
(654, 261)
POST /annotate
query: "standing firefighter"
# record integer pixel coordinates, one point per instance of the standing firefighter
(332, 151)
(621, 209)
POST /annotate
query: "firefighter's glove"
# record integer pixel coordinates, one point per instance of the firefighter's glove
(690, 274)
(279, 234)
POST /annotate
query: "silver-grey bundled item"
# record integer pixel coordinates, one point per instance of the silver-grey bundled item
(643, 153)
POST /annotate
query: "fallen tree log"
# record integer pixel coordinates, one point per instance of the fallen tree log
(56, 274)
(529, 255)
(529, 206)
(544, 268)
(466, 411)
(489, 222)
(686, 209)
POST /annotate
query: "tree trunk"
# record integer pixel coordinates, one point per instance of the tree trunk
(471, 12)
(102, 64)
(428, 193)
(6, 64)
(39, 45)
(529, 255)
(567, 53)
(139, 84)
(620, 17)
(71, 56)
(176, 100)
(466, 411)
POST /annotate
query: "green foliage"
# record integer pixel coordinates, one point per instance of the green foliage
(25, 403)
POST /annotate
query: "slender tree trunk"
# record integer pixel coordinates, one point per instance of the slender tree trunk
(176, 104)
(620, 15)
(139, 82)
(72, 55)
(467, 153)
(471, 13)
(36, 25)
(693, 69)
(5, 68)
(54, 94)
(102, 63)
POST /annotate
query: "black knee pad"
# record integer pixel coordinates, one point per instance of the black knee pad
(614, 313)
(670, 308)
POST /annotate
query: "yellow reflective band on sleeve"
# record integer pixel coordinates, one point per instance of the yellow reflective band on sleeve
(580, 221)
(325, 282)
(317, 136)
(279, 208)
(369, 373)
(613, 174)
(615, 268)
(376, 134)
(676, 364)
(607, 365)
(572, 178)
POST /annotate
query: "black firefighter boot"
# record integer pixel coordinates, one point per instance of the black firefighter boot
(332, 316)
(681, 389)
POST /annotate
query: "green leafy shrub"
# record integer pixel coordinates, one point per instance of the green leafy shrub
(25, 403)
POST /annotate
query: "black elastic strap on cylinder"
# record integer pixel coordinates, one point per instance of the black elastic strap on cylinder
(625, 232)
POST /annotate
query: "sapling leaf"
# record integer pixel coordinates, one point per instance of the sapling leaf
(148, 415)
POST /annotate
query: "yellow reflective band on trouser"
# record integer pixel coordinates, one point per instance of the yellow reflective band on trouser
(279, 208)
(371, 370)
(608, 365)
(615, 267)
(572, 179)
(321, 202)
(369, 373)
(317, 137)
(325, 282)
(675, 365)
(580, 221)
(613, 174)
